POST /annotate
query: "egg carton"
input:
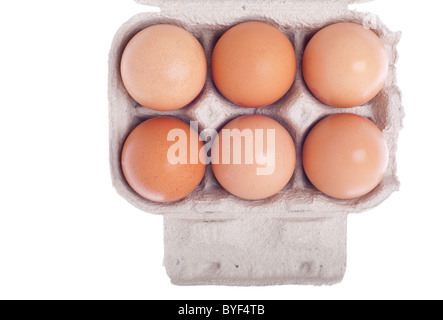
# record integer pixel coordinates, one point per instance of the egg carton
(297, 236)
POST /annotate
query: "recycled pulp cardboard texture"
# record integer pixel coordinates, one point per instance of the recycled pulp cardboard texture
(297, 236)
(255, 251)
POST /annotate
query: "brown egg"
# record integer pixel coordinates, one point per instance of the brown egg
(154, 167)
(253, 64)
(258, 164)
(164, 67)
(345, 156)
(345, 65)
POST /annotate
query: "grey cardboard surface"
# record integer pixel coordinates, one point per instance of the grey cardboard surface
(196, 228)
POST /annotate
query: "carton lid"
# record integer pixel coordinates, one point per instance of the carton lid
(250, 4)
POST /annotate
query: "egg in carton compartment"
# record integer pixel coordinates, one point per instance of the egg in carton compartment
(297, 236)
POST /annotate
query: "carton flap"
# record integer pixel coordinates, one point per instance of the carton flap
(164, 4)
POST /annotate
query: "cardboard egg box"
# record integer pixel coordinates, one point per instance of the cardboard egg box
(295, 237)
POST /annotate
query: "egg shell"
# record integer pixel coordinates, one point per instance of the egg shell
(262, 172)
(253, 64)
(295, 237)
(163, 67)
(146, 161)
(345, 156)
(345, 65)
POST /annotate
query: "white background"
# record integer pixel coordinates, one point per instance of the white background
(66, 234)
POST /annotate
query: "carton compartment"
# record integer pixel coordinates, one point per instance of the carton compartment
(298, 111)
